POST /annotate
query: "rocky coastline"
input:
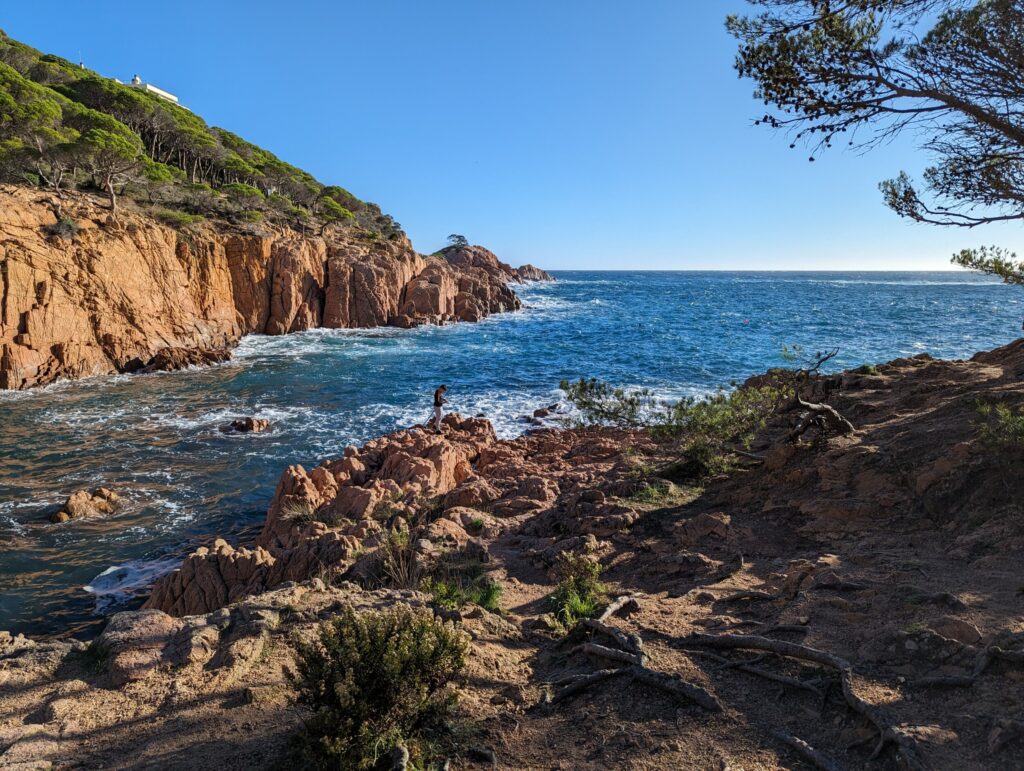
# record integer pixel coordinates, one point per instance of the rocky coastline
(130, 294)
(892, 550)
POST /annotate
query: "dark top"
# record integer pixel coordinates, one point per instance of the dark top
(438, 398)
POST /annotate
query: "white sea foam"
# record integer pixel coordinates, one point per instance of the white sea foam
(121, 583)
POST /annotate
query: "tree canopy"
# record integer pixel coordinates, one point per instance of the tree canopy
(62, 125)
(860, 72)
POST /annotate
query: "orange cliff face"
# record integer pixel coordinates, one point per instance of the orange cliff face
(134, 294)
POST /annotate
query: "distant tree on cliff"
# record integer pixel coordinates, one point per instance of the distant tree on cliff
(333, 213)
(111, 158)
(457, 241)
(864, 71)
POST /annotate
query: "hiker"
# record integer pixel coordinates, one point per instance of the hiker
(438, 401)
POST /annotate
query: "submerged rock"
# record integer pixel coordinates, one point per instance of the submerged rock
(172, 359)
(248, 425)
(84, 503)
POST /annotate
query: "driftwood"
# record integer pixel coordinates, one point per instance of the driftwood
(888, 733)
(807, 752)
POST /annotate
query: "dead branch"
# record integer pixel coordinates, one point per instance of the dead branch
(807, 752)
(888, 733)
(626, 604)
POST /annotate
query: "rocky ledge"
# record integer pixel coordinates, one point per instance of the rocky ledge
(873, 577)
(131, 295)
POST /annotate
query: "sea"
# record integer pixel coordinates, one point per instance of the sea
(158, 440)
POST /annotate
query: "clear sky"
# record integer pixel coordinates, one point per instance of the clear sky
(575, 134)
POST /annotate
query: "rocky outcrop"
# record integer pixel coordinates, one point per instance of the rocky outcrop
(133, 295)
(532, 273)
(479, 258)
(329, 519)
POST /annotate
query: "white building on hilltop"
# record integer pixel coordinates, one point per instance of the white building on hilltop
(137, 83)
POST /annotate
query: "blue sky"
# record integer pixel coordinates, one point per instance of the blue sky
(578, 134)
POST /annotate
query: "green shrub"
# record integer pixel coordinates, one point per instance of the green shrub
(453, 594)
(459, 579)
(867, 369)
(376, 681)
(475, 526)
(1001, 427)
(178, 219)
(65, 228)
(579, 593)
(706, 431)
(649, 493)
(252, 216)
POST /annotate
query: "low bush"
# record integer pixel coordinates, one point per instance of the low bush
(459, 579)
(649, 493)
(65, 228)
(579, 593)
(1001, 427)
(178, 219)
(377, 681)
(399, 564)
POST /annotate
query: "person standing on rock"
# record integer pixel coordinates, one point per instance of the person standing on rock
(438, 401)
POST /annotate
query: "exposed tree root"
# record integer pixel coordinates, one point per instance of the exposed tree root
(631, 643)
(611, 654)
(675, 687)
(574, 685)
(888, 733)
(631, 654)
(817, 414)
(748, 667)
(751, 595)
(807, 752)
(626, 604)
(986, 657)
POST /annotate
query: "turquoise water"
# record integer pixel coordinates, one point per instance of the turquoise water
(156, 438)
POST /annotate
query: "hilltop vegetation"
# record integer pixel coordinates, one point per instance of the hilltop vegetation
(65, 127)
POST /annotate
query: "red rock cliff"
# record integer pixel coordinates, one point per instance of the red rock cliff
(116, 294)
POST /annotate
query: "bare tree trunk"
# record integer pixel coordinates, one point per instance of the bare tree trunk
(109, 187)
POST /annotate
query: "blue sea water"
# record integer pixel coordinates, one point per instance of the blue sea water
(156, 438)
